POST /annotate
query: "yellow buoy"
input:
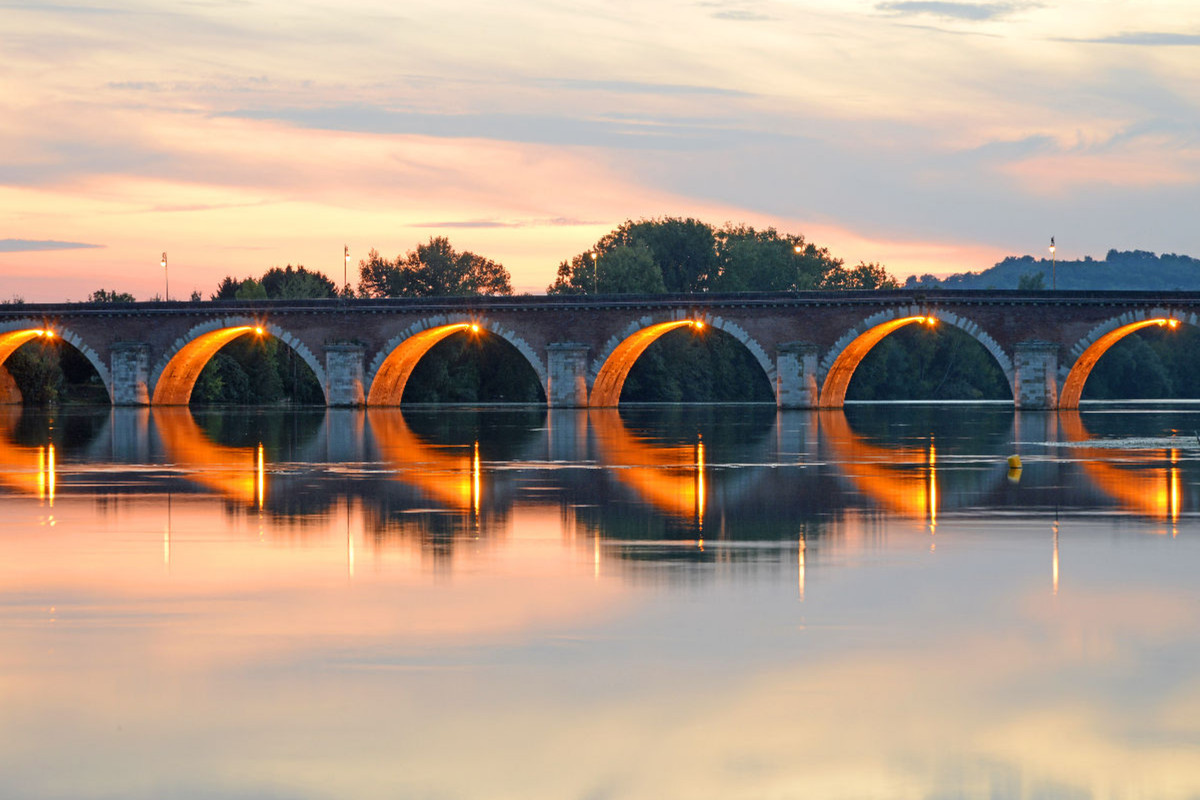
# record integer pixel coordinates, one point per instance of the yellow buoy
(1014, 462)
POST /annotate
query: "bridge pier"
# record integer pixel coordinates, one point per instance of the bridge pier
(344, 375)
(130, 374)
(566, 370)
(1035, 375)
(796, 371)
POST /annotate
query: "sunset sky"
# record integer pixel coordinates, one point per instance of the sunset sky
(238, 135)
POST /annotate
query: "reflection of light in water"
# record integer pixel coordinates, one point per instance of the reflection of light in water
(349, 543)
(445, 474)
(262, 479)
(902, 479)
(475, 480)
(668, 477)
(1152, 491)
(800, 565)
(235, 472)
(46, 478)
(1054, 564)
(933, 499)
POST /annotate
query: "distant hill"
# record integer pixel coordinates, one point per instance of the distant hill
(1120, 269)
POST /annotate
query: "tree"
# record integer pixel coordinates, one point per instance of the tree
(227, 288)
(251, 290)
(684, 250)
(628, 269)
(863, 277)
(1032, 281)
(110, 296)
(767, 261)
(293, 283)
(432, 270)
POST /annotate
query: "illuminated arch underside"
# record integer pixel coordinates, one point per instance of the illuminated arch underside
(9, 343)
(387, 388)
(1073, 386)
(833, 391)
(174, 386)
(606, 391)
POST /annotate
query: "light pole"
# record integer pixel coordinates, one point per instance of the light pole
(166, 277)
(346, 268)
(595, 272)
(1053, 265)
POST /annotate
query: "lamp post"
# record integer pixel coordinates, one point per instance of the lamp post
(595, 271)
(166, 277)
(1053, 264)
(346, 268)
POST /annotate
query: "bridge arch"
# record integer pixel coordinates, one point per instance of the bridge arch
(1088, 350)
(848, 352)
(14, 333)
(395, 361)
(610, 369)
(174, 376)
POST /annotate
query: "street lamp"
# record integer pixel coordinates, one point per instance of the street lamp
(595, 272)
(166, 277)
(1053, 264)
(346, 268)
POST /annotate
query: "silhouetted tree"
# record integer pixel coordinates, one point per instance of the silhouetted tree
(432, 270)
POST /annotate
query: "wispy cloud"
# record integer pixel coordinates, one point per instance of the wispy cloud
(641, 133)
(1147, 39)
(974, 12)
(33, 245)
(743, 15)
(636, 87)
(736, 11)
(496, 223)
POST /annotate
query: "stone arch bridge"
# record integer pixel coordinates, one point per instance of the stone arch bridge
(807, 343)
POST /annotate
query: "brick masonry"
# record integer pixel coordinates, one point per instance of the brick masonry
(1035, 337)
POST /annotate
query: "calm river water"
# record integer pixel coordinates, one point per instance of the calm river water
(725, 602)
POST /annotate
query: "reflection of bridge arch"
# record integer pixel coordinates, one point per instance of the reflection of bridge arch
(447, 474)
(905, 480)
(175, 375)
(848, 352)
(1155, 492)
(396, 361)
(1088, 350)
(669, 477)
(611, 368)
(29, 470)
(902, 479)
(235, 472)
(14, 333)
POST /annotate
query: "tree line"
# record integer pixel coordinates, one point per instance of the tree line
(648, 256)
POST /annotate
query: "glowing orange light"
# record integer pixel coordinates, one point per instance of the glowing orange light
(174, 387)
(698, 324)
(1077, 377)
(258, 330)
(261, 478)
(833, 391)
(607, 390)
(931, 321)
(388, 387)
(474, 328)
